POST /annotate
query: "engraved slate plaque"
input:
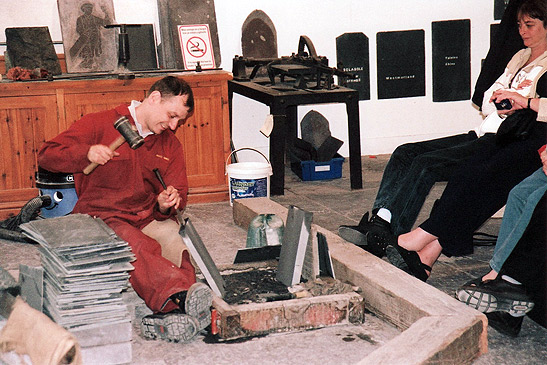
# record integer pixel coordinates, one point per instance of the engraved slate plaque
(451, 60)
(401, 64)
(88, 45)
(173, 13)
(258, 36)
(142, 48)
(32, 48)
(352, 55)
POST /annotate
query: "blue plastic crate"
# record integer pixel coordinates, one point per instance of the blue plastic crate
(313, 170)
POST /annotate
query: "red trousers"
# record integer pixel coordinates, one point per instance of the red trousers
(155, 278)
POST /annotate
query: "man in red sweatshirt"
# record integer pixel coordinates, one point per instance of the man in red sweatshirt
(125, 193)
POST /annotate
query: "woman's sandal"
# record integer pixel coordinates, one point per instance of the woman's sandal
(408, 261)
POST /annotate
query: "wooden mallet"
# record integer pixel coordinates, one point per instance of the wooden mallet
(128, 133)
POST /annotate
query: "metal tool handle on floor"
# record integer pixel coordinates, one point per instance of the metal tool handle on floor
(179, 213)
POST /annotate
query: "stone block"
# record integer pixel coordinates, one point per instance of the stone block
(256, 319)
(436, 327)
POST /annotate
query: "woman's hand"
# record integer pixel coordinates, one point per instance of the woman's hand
(517, 101)
(168, 198)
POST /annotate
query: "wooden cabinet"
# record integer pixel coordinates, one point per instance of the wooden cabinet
(32, 112)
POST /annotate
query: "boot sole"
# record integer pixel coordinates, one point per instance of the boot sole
(486, 302)
(174, 327)
(198, 304)
(353, 236)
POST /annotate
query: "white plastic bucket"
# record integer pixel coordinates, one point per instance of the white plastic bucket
(248, 179)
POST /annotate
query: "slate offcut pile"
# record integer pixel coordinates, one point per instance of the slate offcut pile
(86, 268)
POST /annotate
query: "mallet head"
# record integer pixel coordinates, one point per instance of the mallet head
(132, 137)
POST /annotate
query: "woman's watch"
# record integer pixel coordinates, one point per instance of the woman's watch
(529, 101)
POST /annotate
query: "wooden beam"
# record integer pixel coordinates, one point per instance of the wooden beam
(436, 327)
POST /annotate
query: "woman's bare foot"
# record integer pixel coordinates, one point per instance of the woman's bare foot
(490, 276)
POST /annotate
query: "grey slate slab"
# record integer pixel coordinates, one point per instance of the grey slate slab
(32, 47)
(173, 13)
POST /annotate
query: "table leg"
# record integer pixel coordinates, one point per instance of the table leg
(277, 149)
(354, 137)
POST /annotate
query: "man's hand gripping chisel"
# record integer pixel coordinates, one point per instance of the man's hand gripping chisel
(179, 213)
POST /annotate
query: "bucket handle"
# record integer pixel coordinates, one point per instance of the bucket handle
(245, 148)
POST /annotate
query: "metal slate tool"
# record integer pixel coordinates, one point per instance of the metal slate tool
(179, 213)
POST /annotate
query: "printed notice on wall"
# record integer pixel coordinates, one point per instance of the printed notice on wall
(196, 46)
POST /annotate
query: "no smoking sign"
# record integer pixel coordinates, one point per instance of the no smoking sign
(196, 46)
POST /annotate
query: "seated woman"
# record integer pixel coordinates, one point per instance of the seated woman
(481, 185)
(415, 167)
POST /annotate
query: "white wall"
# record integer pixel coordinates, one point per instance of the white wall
(384, 123)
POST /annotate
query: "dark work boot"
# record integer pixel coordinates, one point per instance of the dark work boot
(196, 302)
(173, 327)
(358, 234)
(505, 323)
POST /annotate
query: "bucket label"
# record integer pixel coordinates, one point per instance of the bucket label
(248, 188)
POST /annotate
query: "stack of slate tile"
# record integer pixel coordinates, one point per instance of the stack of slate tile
(86, 268)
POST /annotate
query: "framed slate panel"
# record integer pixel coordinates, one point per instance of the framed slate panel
(352, 56)
(88, 45)
(401, 64)
(451, 60)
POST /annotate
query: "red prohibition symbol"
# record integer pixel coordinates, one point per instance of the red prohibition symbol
(196, 47)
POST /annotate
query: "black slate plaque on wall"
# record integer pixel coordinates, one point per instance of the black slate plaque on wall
(353, 57)
(401, 64)
(451, 60)
(499, 8)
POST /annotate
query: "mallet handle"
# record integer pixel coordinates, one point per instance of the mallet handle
(113, 146)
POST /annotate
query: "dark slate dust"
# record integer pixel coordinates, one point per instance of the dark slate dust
(245, 287)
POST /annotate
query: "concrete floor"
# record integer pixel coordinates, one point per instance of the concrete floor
(332, 203)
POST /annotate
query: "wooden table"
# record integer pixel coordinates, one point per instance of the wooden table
(283, 103)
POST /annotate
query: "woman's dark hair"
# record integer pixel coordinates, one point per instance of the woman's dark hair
(536, 9)
(174, 86)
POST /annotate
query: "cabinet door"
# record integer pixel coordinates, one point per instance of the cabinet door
(25, 123)
(78, 105)
(202, 139)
